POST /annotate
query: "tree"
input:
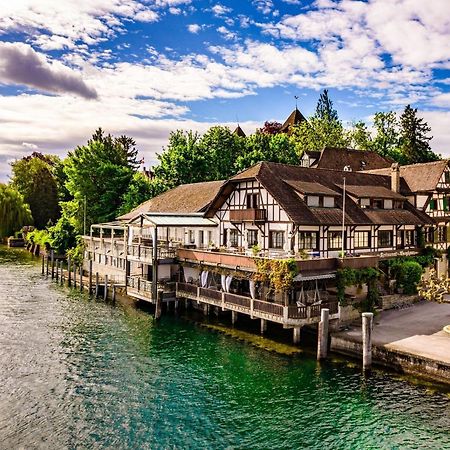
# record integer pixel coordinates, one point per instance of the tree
(386, 139)
(33, 176)
(14, 212)
(140, 189)
(62, 236)
(414, 138)
(360, 137)
(182, 161)
(324, 108)
(98, 175)
(271, 127)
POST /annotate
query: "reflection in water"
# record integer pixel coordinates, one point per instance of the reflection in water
(79, 373)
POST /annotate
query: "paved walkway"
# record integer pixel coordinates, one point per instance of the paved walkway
(416, 330)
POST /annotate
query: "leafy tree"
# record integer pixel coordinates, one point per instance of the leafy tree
(98, 175)
(414, 138)
(61, 236)
(14, 212)
(386, 139)
(182, 161)
(140, 189)
(325, 109)
(33, 176)
(271, 128)
(360, 137)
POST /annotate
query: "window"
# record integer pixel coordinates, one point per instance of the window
(252, 201)
(445, 203)
(433, 204)
(376, 203)
(252, 238)
(234, 236)
(442, 234)
(447, 177)
(210, 239)
(276, 239)
(191, 237)
(362, 239)
(308, 240)
(334, 240)
(224, 237)
(398, 204)
(410, 238)
(201, 237)
(429, 235)
(385, 238)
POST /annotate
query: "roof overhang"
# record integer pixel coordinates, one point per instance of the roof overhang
(314, 276)
(172, 220)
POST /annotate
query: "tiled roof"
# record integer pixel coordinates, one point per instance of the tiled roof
(419, 177)
(239, 131)
(294, 118)
(186, 198)
(373, 192)
(306, 187)
(339, 158)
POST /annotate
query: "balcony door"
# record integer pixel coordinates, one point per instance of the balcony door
(252, 201)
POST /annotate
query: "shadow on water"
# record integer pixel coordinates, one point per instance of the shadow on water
(81, 373)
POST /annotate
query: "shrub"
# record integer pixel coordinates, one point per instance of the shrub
(409, 276)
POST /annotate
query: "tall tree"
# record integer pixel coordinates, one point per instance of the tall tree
(360, 137)
(415, 138)
(34, 177)
(387, 138)
(325, 109)
(14, 212)
(98, 175)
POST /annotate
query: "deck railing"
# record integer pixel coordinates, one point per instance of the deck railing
(270, 308)
(145, 252)
(239, 300)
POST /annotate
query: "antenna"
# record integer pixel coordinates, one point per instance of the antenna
(237, 119)
(296, 98)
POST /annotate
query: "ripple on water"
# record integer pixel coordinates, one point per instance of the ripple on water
(78, 373)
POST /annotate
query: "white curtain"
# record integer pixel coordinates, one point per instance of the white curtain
(204, 278)
(252, 288)
(190, 273)
(223, 282)
(228, 281)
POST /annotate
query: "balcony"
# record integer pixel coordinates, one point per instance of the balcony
(143, 253)
(248, 215)
(141, 288)
(291, 315)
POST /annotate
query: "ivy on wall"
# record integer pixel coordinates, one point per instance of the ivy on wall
(278, 273)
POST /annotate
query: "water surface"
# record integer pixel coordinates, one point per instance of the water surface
(79, 373)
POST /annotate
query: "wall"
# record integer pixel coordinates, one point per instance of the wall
(391, 301)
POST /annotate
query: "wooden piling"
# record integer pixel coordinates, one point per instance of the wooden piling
(113, 294)
(90, 277)
(81, 278)
(234, 317)
(62, 272)
(296, 335)
(43, 265)
(52, 256)
(47, 270)
(57, 271)
(158, 305)
(105, 293)
(69, 281)
(74, 275)
(96, 284)
(322, 335)
(263, 326)
(367, 325)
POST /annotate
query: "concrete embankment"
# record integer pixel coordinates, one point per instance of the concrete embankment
(408, 340)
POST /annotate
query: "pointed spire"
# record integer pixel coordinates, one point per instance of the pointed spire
(239, 131)
(295, 118)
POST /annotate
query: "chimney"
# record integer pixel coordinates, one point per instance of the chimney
(395, 177)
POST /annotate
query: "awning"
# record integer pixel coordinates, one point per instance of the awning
(173, 220)
(310, 276)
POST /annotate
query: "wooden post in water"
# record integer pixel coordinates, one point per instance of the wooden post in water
(69, 281)
(234, 317)
(74, 275)
(43, 265)
(81, 277)
(263, 326)
(62, 272)
(322, 335)
(96, 284)
(367, 325)
(90, 277)
(158, 304)
(52, 256)
(105, 293)
(113, 292)
(297, 333)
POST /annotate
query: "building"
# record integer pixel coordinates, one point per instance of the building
(206, 241)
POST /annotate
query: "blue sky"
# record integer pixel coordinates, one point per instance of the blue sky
(145, 67)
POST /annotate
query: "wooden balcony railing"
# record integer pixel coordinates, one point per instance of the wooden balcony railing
(146, 253)
(248, 215)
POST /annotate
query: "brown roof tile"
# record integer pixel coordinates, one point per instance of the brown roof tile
(186, 198)
(294, 118)
(373, 192)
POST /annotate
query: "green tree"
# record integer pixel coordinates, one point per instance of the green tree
(98, 175)
(61, 236)
(14, 212)
(415, 138)
(325, 109)
(33, 176)
(360, 137)
(140, 189)
(182, 161)
(387, 138)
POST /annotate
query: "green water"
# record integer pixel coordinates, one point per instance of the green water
(79, 373)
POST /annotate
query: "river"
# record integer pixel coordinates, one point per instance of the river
(80, 373)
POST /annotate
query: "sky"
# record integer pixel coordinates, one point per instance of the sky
(146, 67)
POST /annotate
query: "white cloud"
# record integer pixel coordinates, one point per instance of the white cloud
(226, 33)
(263, 6)
(220, 10)
(29, 145)
(194, 28)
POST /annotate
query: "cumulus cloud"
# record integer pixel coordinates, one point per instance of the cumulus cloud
(220, 10)
(20, 64)
(194, 28)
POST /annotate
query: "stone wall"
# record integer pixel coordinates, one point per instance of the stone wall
(397, 300)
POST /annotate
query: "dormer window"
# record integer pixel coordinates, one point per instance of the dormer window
(376, 203)
(320, 201)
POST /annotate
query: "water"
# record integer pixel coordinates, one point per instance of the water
(78, 373)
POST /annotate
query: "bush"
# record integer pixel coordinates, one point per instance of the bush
(39, 237)
(409, 276)
(62, 236)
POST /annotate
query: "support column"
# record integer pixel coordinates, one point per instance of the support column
(96, 284)
(155, 263)
(74, 275)
(90, 277)
(367, 326)
(81, 277)
(69, 273)
(46, 269)
(113, 292)
(234, 317)
(158, 304)
(57, 271)
(61, 263)
(43, 265)
(52, 256)
(322, 335)
(263, 326)
(105, 293)
(296, 333)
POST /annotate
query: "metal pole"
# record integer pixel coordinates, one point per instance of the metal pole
(62, 272)
(57, 270)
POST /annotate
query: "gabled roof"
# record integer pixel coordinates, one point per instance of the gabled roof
(356, 160)
(294, 118)
(284, 181)
(420, 177)
(239, 131)
(186, 198)
(373, 192)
